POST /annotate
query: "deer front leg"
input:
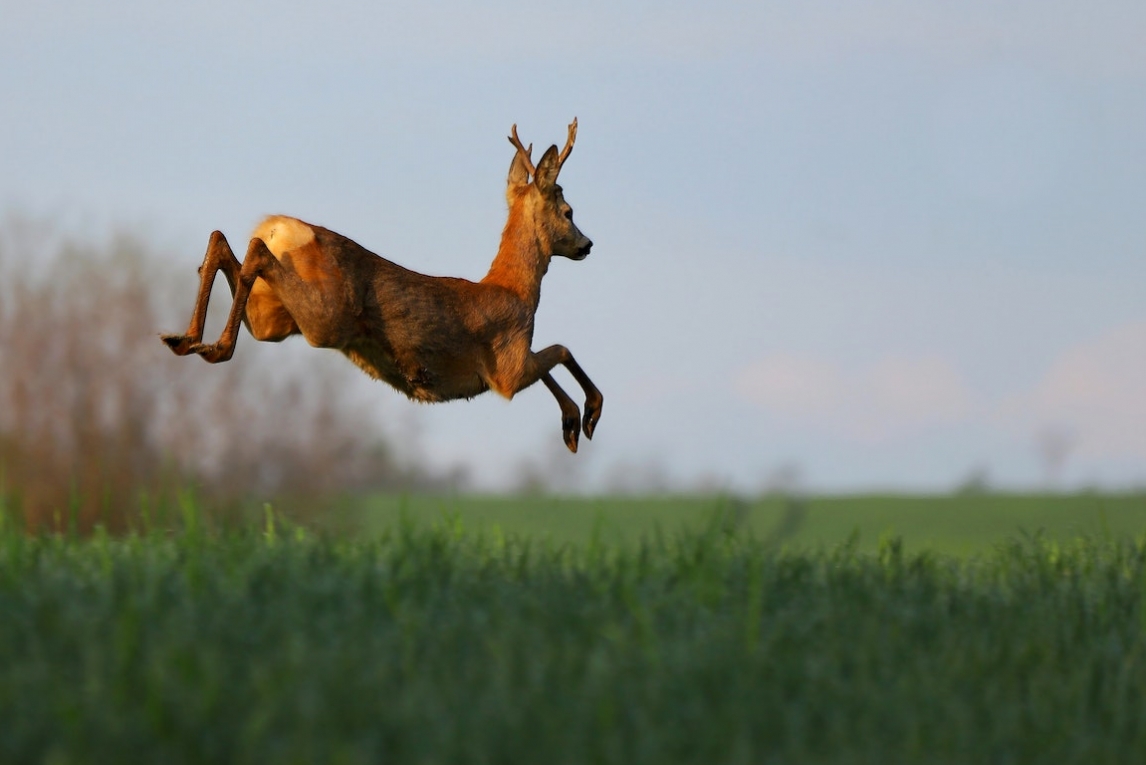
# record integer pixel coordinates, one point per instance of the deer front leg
(219, 257)
(594, 399)
(570, 414)
(545, 360)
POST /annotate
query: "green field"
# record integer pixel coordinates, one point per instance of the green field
(476, 640)
(953, 524)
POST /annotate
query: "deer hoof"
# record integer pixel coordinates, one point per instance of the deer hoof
(572, 431)
(180, 345)
(213, 354)
(592, 414)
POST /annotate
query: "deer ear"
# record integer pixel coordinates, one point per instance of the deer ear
(518, 171)
(547, 169)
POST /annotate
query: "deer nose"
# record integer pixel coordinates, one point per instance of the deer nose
(584, 251)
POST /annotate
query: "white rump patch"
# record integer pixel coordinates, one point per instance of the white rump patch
(282, 234)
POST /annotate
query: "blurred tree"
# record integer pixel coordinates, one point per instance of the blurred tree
(95, 411)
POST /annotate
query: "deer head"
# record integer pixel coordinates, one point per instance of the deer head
(541, 200)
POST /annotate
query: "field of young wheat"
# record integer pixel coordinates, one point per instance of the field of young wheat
(959, 524)
(428, 643)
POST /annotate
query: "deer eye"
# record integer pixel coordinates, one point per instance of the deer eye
(569, 213)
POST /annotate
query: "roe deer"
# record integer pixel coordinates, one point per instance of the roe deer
(433, 338)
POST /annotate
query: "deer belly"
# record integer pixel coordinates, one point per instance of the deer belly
(422, 382)
(440, 383)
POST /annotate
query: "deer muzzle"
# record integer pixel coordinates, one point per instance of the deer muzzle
(582, 252)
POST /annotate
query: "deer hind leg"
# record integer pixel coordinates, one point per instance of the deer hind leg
(542, 362)
(257, 262)
(219, 257)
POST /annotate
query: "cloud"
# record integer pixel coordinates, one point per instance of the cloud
(1093, 392)
(1097, 391)
(886, 400)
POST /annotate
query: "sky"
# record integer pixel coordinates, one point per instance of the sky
(859, 245)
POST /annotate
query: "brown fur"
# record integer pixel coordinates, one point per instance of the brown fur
(432, 338)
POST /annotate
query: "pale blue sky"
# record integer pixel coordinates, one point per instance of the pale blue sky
(889, 242)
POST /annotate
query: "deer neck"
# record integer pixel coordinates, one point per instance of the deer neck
(521, 260)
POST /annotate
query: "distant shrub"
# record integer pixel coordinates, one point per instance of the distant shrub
(95, 411)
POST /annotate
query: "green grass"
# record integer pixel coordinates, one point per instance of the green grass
(430, 644)
(956, 524)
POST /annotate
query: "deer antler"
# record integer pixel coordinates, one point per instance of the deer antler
(524, 152)
(568, 143)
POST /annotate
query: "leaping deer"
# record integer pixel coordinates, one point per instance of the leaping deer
(433, 338)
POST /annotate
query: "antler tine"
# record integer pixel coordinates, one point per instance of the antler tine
(513, 139)
(568, 143)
